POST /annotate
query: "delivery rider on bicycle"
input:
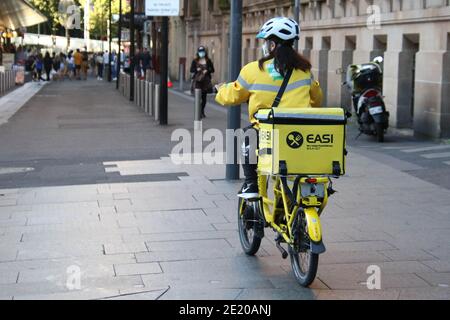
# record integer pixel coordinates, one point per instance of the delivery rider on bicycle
(260, 81)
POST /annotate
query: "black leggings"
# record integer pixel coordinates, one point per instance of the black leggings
(204, 100)
(47, 72)
(39, 75)
(248, 154)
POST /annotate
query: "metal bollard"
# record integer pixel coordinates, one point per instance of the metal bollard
(197, 109)
(147, 96)
(124, 83)
(144, 104)
(152, 74)
(156, 104)
(138, 98)
(10, 73)
(181, 77)
(140, 93)
(151, 101)
(135, 91)
(128, 87)
(143, 94)
(2, 80)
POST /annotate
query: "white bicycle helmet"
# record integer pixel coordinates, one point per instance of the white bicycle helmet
(281, 27)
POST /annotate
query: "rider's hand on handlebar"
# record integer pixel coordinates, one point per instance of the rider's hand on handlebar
(217, 86)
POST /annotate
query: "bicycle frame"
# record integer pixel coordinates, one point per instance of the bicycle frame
(288, 204)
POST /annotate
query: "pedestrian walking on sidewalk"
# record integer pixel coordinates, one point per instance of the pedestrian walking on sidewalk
(106, 69)
(84, 63)
(71, 65)
(56, 65)
(38, 65)
(99, 66)
(63, 67)
(48, 65)
(201, 69)
(146, 61)
(78, 59)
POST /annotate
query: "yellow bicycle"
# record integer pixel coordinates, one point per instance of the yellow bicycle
(292, 204)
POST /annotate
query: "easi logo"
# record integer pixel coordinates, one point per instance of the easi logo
(294, 140)
(318, 138)
(317, 142)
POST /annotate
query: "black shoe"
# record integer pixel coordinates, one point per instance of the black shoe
(203, 115)
(249, 191)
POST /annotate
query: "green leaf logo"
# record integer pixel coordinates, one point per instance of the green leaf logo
(273, 72)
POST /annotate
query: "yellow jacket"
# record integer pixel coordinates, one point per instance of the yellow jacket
(259, 89)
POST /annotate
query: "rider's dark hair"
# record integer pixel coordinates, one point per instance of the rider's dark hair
(285, 57)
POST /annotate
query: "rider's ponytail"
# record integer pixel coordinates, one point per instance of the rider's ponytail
(285, 57)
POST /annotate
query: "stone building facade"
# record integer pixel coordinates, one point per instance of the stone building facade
(413, 36)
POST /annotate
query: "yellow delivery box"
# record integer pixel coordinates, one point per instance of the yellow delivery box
(306, 141)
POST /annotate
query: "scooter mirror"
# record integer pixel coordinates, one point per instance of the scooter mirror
(339, 71)
(378, 60)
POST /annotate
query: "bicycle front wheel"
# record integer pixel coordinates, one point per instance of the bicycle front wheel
(249, 227)
(304, 262)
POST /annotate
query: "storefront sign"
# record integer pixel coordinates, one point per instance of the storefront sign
(125, 35)
(160, 8)
(8, 60)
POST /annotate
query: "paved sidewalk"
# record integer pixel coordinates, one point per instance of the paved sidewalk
(14, 100)
(139, 227)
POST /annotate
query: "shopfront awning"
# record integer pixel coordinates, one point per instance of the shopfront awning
(15, 14)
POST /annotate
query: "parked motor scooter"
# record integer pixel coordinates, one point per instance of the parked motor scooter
(365, 83)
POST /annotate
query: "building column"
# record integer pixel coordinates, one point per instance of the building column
(364, 45)
(335, 62)
(334, 81)
(339, 57)
(445, 103)
(397, 81)
(319, 61)
(432, 104)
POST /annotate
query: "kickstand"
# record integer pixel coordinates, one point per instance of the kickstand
(359, 135)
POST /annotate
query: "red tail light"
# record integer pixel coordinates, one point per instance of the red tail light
(311, 180)
(371, 93)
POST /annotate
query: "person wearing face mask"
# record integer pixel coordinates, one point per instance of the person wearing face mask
(201, 70)
(259, 83)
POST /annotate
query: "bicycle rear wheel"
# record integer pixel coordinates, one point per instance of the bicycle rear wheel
(304, 262)
(249, 227)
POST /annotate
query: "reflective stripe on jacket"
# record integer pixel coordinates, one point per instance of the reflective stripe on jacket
(260, 87)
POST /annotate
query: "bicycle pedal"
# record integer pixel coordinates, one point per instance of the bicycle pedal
(284, 253)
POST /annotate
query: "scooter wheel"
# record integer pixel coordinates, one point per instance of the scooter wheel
(379, 127)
